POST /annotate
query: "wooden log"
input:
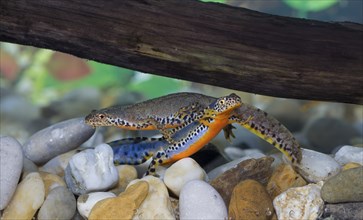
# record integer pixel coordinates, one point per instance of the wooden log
(207, 43)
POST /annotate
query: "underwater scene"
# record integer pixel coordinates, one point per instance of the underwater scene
(80, 139)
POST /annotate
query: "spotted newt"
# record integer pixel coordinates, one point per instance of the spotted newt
(188, 139)
(180, 109)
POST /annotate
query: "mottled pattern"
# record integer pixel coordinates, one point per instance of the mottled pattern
(179, 110)
(269, 129)
(138, 150)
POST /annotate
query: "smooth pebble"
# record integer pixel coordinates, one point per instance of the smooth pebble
(250, 200)
(126, 173)
(123, 206)
(283, 178)
(59, 204)
(11, 165)
(300, 203)
(91, 170)
(28, 198)
(57, 139)
(221, 169)
(86, 202)
(348, 154)
(181, 172)
(58, 164)
(51, 181)
(28, 167)
(199, 200)
(257, 169)
(316, 166)
(347, 186)
(157, 204)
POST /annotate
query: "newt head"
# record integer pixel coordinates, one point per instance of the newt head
(224, 105)
(100, 118)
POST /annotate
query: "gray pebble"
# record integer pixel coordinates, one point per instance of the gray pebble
(11, 164)
(351, 211)
(28, 167)
(327, 133)
(59, 204)
(346, 186)
(57, 139)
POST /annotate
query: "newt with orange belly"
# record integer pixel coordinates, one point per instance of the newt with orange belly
(184, 111)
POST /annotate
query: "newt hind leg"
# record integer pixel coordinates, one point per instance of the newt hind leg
(159, 158)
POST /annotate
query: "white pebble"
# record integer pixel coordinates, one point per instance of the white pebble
(348, 154)
(182, 172)
(86, 202)
(91, 170)
(157, 203)
(299, 203)
(199, 200)
(316, 166)
(11, 165)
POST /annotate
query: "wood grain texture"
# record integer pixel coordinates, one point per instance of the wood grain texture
(202, 42)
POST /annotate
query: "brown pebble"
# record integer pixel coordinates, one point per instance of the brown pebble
(257, 169)
(283, 178)
(250, 200)
(123, 206)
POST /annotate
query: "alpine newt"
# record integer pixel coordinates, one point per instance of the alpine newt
(180, 109)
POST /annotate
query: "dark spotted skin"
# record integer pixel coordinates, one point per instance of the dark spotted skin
(180, 109)
(188, 139)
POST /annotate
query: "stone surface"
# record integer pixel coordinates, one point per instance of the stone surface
(58, 164)
(51, 181)
(175, 207)
(257, 169)
(346, 186)
(299, 203)
(182, 172)
(316, 166)
(126, 173)
(235, 153)
(28, 198)
(223, 168)
(86, 202)
(250, 200)
(347, 154)
(351, 211)
(123, 206)
(11, 164)
(57, 139)
(91, 170)
(351, 166)
(157, 204)
(327, 132)
(199, 200)
(59, 204)
(28, 167)
(283, 178)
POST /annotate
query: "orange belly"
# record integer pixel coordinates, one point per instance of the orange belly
(213, 129)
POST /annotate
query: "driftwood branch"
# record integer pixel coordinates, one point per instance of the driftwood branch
(201, 42)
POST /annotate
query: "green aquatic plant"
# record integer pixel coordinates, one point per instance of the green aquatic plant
(305, 6)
